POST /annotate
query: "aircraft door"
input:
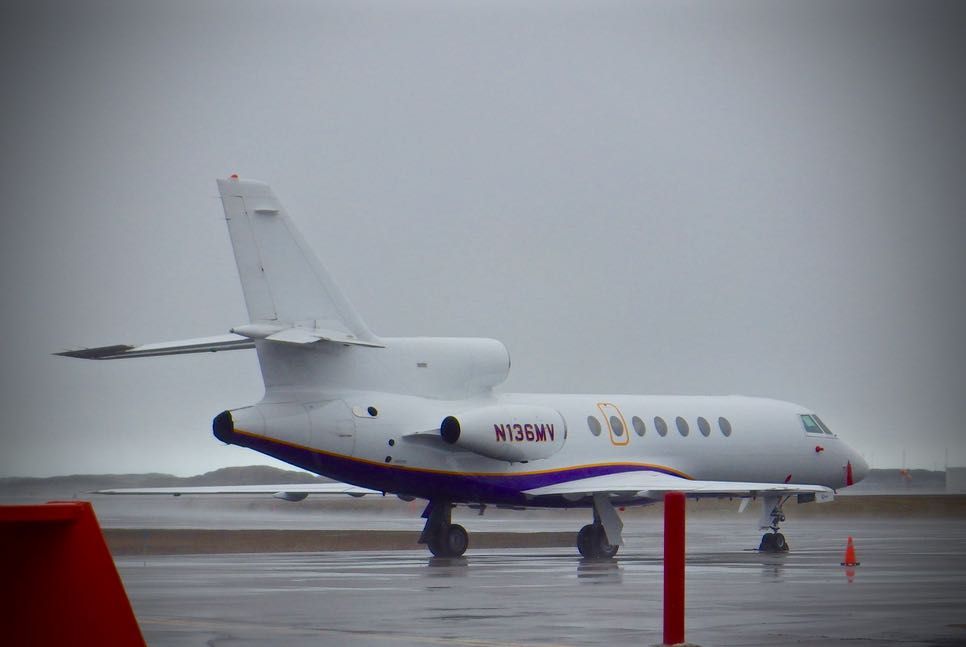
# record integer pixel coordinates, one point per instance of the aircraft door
(616, 424)
(333, 429)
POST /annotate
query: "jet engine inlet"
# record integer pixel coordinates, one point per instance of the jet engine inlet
(450, 430)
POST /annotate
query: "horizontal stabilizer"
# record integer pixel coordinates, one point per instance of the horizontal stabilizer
(240, 338)
(181, 347)
(286, 488)
(649, 484)
(300, 335)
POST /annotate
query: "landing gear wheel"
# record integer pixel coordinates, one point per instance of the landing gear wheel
(435, 546)
(450, 541)
(604, 549)
(592, 543)
(764, 547)
(585, 541)
(781, 545)
(773, 542)
(456, 540)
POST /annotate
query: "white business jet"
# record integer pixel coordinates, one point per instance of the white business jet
(419, 417)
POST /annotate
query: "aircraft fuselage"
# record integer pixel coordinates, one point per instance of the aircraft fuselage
(392, 443)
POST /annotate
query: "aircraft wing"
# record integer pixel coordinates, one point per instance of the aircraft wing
(656, 484)
(291, 491)
(181, 347)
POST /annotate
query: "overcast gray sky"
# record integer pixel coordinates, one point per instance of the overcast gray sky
(764, 198)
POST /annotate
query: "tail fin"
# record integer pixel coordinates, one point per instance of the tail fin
(281, 277)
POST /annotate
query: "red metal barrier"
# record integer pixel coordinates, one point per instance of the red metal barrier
(673, 568)
(60, 586)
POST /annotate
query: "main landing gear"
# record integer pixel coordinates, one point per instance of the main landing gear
(601, 539)
(443, 537)
(772, 541)
(598, 540)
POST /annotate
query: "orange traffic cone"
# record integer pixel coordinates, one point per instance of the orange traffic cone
(850, 555)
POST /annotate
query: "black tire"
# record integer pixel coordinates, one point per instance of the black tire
(605, 550)
(455, 539)
(592, 543)
(767, 544)
(586, 541)
(436, 545)
(781, 546)
(449, 541)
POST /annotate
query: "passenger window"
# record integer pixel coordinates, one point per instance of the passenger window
(616, 426)
(724, 426)
(594, 425)
(638, 425)
(704, 427)
(682, 425)
(661, 426)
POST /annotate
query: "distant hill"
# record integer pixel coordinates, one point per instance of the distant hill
(251, 475)
(83, 483)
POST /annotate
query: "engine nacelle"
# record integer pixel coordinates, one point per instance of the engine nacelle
(513, 433)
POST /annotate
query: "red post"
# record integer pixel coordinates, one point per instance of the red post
(673, 568)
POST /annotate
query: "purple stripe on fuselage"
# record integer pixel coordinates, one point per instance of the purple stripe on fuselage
(458, 488)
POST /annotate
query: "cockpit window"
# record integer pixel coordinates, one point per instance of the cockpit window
(813, 425)
(822, 424)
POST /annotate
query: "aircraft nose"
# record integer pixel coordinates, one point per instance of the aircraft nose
(860, 469)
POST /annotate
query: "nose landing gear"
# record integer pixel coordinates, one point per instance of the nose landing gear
(772, 515)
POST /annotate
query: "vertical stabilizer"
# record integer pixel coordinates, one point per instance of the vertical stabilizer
(281, 277)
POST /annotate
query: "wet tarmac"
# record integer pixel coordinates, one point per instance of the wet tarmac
(909, 590)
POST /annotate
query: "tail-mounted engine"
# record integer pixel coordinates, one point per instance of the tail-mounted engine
(514, 433)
